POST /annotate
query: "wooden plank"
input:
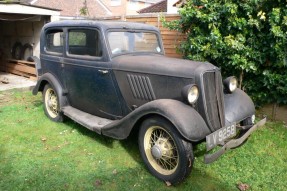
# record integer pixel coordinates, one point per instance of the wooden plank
(22, 68)
(34, 78)
(21, 64)
(172, 37)
(171, 51)
(21, 61)
(13, 71)
(171, 46)
(168, 32)
(175, 41)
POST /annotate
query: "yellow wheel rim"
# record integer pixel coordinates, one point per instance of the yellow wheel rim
(51, 103)
(161, 150)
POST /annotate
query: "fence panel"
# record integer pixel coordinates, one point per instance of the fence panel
(171, 39)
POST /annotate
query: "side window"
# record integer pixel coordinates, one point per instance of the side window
(84, 42)
(77, 38)
(54, 41)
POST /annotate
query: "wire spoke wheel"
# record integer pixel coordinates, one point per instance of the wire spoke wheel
(51, 104)
(161, 150)
(164, 152)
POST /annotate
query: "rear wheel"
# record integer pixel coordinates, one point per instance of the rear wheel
(166, 155)
(51, 104)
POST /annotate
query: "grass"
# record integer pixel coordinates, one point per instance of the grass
(38, 154)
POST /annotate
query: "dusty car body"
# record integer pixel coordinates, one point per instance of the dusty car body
(113, 77)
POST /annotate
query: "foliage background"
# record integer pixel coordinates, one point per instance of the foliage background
(245, 38)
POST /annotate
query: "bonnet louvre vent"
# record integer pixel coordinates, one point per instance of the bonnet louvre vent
(141, 87)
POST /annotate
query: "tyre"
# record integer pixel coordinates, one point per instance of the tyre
(164, 152)
(51, 104)
(27, 51)
(16, 51)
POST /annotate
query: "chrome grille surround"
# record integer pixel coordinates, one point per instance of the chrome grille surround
(213, 102)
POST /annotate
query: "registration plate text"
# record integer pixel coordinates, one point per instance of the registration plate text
(219, 136)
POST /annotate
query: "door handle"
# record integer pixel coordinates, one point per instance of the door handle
(104, 71)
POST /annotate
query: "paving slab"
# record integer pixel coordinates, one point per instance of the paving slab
(15, 82)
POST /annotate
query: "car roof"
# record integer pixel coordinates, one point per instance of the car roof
(102, 24)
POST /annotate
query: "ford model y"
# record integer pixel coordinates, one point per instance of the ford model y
(113, 77)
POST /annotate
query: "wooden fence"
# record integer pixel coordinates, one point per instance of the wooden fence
(171, 39)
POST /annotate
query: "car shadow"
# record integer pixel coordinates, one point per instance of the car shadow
(37, 103)
(199, 149)
(106, 141)
(131, 146)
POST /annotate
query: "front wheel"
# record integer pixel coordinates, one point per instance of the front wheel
(166, 155)
(51, 104)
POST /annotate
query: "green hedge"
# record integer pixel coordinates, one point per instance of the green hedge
(245, 38)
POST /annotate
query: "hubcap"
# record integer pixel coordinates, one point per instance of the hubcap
(161, 150)
(156, 152)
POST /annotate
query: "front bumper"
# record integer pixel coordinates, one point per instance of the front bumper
(209, 158)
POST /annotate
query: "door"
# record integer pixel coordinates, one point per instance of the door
(88, 77)
(52, 53)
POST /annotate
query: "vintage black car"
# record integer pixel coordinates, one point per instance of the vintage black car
(113, 77)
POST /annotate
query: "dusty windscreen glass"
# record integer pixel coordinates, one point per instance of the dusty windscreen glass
(129, 42)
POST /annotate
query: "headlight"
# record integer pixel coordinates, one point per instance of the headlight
(230, 84)
(253, 119)
(190, 93)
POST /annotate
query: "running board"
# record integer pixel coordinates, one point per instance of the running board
(89, 121)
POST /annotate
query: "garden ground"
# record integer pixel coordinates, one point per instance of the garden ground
(38, 154)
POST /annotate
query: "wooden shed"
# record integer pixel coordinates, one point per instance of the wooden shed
(20, 27)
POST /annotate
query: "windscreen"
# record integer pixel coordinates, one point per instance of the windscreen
(122, 42)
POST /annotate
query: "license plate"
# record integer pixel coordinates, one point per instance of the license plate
(219, 136)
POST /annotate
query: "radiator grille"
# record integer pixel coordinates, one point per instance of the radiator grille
(141, 87)
(214, 105)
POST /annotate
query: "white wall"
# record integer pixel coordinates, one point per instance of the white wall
(170, 8)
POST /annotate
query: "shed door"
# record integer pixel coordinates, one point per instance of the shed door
(88, 78)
